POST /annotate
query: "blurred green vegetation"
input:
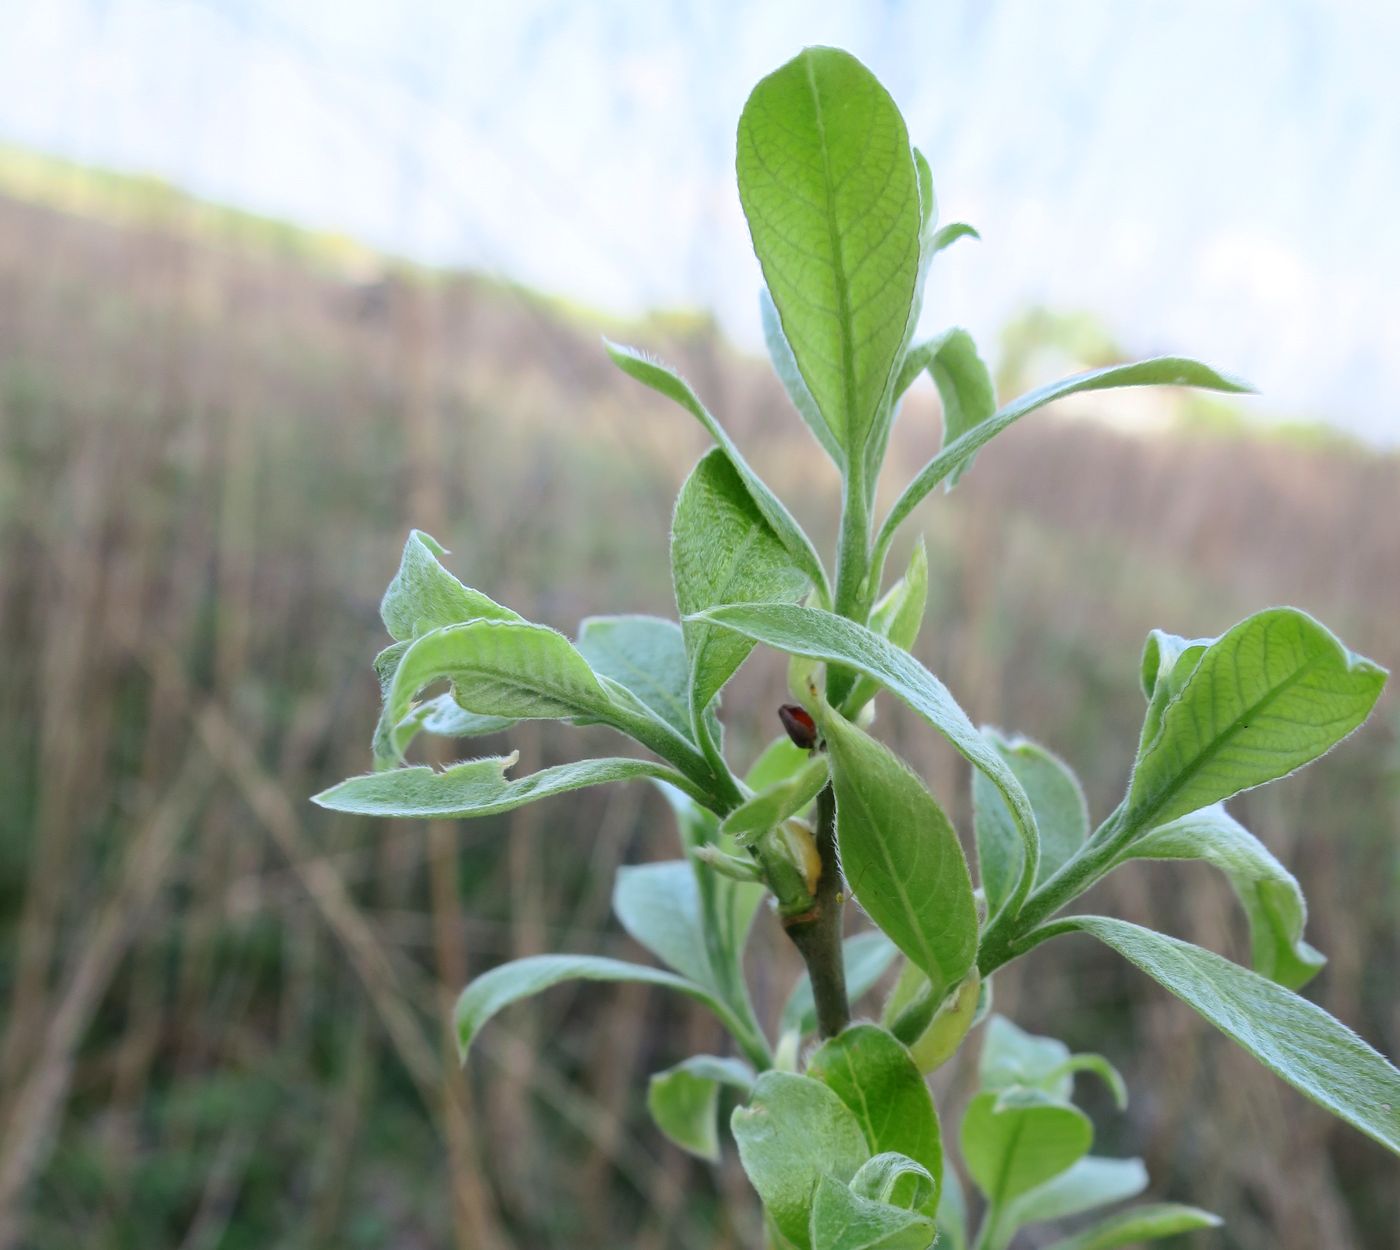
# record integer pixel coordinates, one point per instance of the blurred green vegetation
(224, 1009)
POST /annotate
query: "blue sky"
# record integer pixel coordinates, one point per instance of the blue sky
(1214, 177)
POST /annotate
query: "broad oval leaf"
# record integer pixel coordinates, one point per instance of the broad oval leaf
(646, 654)
(900, 855)
(477, 787)
(844, 1220)
(665, 381)
(499, 668)
(827, 182)
(1316, 1054)
(877, 1079)
(722, 551)
(424, 596)
(1061, 816)
(821, 635)
(793, 1131)
(1270, 895)
(1092, 1182)
(1014, 1142)
(684, 1101)
(1268, 696)
(866, 955)
(496, 990)
(1150, 1223)
(955, 456)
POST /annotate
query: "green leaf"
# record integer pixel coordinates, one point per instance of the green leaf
(1273, 693)
(896, 1178)
(424, 596)
(785, 366)
(1012, 1057)
(779, 802)
(442, 716)
(498, 668)
(1092, 1182)
(824, 636)
(966, 390)
(1319, 1056)
(1162, 371)
(667, 382)
(897, 616)
(722, 551)
(684, 1101)
(1016, 1141)
(1270, 895)
(877, 1079)
(476, 787)
(950, 234)
(646, 654)
(1061, 815)
(659, 906)
(780, 759)
(1140, 1224)
(492, 992)
(866, 956)
(843, 1220)
(794, 1131)
(900, 855)
(828, 185)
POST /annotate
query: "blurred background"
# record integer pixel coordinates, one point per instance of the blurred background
(278, 282)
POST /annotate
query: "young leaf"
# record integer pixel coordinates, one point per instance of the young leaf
(866, 956)
(1140, 1224)
(780, 760)
(499, 668)
(1012, 1057)
(1092, 1182)
(684, 1101)
(1014, 1142)
(442, 716)
(896, 1178)
(424, 596)
(843, 1220)
(646, 654)
(794, 1131)
(1061, 815)
(1163, 371)
(1319, 1056)
(722, 551)
(832, 639)
(829, 188)
(966, 390)
(667, 382)
(1273, 693)
(900, 854)
(1270, 895)
(897, 616)
(476, 787)
(785, 366)
(876, 1078)
(523, 978)
(782, 800)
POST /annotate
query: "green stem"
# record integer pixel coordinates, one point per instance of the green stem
(817, 932)
(852, 567)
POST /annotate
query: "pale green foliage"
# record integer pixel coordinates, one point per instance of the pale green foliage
(1265, 698)
(1061, 816)
(1269, 893)
(722, 551)
(841, 1140)
(827, 182)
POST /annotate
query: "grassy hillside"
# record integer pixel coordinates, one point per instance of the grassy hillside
(223, 1009)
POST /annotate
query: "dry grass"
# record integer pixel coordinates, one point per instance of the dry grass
(224, 1009)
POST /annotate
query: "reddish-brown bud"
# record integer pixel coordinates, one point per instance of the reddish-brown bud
(800, 726)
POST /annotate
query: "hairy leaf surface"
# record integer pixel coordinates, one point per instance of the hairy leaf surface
(684, 1101)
